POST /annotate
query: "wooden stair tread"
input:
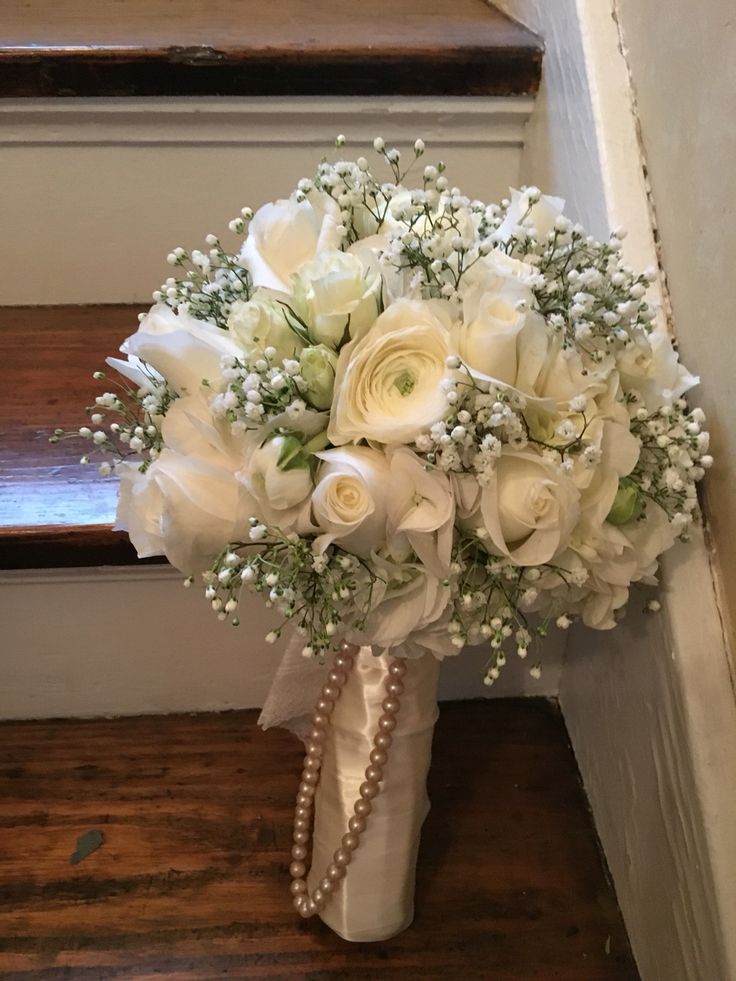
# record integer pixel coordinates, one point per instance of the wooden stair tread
(244, 47)
(54, 511)
(192, 880)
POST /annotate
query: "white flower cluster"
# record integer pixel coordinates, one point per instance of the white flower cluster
(409, 418)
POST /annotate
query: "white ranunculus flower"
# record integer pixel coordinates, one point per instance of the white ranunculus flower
(286, 234)
(270, 481)
(335, 292)
(184, 350)
(348, 503)
(388, 382)
(260, 323)
(421, 507)
(528, 508)
(653, 369)
(184, 507)
(541, 216)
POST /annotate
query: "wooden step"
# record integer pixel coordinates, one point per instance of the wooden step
(55, 512)
(247, 47)
(192, 880)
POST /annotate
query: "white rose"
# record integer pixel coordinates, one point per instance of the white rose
(388, 382)
(540, 216)
(183, 507)
(487, 341)
(260, 323)
(348, 501)
(286, 234)
(406, 599)
(335, 292)
(653, 369)
(528, 508)
(317, 368)
(271, 481)
(185, 351)
(421, 507)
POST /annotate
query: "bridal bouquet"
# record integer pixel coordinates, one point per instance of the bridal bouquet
(407, 419)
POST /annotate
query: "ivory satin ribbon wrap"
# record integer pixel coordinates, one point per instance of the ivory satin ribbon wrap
(376, 898)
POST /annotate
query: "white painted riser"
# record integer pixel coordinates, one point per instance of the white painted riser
(98, 191)
(131, 641)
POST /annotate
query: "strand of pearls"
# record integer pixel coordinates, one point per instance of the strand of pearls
(305, 904)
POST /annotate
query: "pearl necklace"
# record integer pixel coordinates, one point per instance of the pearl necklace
(305, 904)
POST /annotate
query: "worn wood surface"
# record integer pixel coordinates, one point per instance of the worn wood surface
(192, 879)
(54, 511)
(246, 47)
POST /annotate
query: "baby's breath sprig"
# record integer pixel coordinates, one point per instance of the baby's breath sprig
(136, 428)
(322, 593)
(674, 457)
(211, 282)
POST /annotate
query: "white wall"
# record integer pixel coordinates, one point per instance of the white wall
(682, 58)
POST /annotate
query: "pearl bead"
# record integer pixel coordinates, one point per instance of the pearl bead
(337, 678)
(299, 853)
(335, 872)
(374, 774)
(362, 807)
(297, 870)
(395, 687)
(325, 706)
(350, 842)
(298, 887)
(320, 721)
(330, 692)
(304, 800)
(310, 907)
(298, 902)
(397, 669)
(306, 790)
(368, 790)
(383, 740)
(343, 662)
(315, 751)
(301, 824)
(310, 777)
(303, 812)
(386, 723)
(356, 824)
(326, 885)
(342, 857)
(391, 705)
(347, 648)
(378, 757)
(312, 763)
(301, 837)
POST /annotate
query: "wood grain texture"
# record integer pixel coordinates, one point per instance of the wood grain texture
(246, 47)
(192, 880)
(54, 511)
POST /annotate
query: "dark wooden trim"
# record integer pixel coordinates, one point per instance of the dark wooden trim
(405, 47)
(67, 546)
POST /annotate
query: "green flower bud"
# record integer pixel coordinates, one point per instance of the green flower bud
(317, 368)
(627, 505)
